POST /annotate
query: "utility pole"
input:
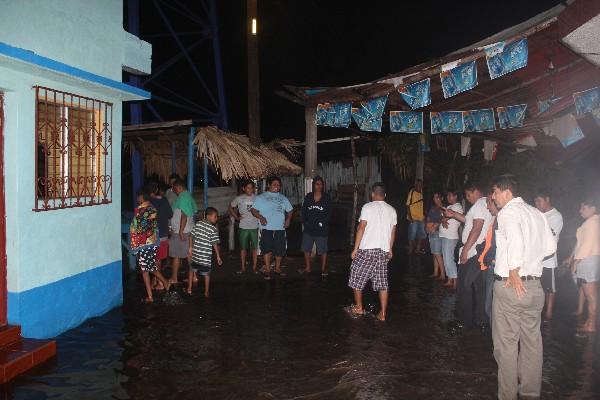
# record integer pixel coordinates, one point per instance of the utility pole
(253, 73)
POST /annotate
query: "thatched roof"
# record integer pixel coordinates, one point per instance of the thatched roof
(234, 156)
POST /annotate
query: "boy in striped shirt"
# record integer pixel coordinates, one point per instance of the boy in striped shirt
(203, 239)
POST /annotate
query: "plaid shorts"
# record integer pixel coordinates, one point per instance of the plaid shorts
(370, 264)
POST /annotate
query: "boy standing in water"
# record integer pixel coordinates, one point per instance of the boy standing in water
(203, 239)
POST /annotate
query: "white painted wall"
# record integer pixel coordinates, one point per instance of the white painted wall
(43, 247)
(86, 34)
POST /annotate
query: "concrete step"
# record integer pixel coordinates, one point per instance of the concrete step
(23, 355)
(9, 334)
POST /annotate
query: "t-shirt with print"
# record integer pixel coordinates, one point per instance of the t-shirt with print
(381, 219)
(451, 232)
(204, 235)
(477, 211)
(273, 207)
(244, 204)
(555, 220)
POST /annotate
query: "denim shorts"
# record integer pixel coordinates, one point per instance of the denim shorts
(416, 230)
(435, 243)
(319, 241)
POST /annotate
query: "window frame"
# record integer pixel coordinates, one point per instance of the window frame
(94, 139)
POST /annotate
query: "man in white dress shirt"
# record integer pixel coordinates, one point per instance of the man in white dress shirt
(523, 240)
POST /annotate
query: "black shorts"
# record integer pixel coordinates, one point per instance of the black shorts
(548, 280)
(273, 242)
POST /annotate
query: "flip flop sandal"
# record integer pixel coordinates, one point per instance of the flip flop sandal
(353, 314)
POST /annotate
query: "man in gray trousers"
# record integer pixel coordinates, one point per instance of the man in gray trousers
(523, 240)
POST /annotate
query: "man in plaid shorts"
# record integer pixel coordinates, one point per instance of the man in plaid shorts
(372, 251)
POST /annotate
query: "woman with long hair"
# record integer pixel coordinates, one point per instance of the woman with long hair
(434, 219)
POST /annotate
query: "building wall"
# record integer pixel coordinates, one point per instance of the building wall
(86, 34)
(64, 266)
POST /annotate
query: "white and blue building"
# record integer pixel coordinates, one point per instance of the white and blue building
(61, 68)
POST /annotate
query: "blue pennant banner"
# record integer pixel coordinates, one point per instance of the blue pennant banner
(325, 114)
(406, 121)
(369, 116)
(335, 115)
(479, 120)
(459, 79)
(374, 107)
(544, 105)
(587, 101)
(365, 122)
(447, 122)
(417, 94)
(503, 58)
(511, 116)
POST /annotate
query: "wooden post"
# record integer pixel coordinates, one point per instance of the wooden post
(420, 158)
(310, 143)
(253, 73)
(355, 200)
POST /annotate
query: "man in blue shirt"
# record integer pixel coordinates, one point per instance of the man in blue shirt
(274, 211)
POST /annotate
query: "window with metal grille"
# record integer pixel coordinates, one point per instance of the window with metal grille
(73, 141)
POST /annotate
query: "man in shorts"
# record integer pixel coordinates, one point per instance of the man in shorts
(555, 220)
(182, 224)
(373, 245)
(316, 213)
(416, 218)
(274, 212)
(240, 209)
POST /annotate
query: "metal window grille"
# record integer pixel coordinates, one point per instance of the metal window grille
(73, 144)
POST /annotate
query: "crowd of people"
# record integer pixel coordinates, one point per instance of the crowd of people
(501, 258)
(167, 230)
(500, 255)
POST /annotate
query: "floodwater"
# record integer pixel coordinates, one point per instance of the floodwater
(290, 339)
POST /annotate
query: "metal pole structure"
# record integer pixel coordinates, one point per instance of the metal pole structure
(135, 109)
(223, 123)
(190, 177)
(253, 73)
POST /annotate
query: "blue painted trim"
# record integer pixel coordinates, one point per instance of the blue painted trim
(49, 310)
(57, 66)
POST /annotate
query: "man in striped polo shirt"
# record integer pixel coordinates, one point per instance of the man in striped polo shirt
(203, 239)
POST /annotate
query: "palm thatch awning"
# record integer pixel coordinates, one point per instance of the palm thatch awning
(234, 156)
(164, 146)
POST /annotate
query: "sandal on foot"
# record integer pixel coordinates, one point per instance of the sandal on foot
(351, 311)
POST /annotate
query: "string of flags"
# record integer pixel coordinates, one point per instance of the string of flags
(457, 77)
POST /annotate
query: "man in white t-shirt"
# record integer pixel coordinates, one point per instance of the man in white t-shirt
(373, 245)
(555, 220)
(477, 221)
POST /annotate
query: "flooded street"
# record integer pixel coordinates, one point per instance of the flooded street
(290, 339)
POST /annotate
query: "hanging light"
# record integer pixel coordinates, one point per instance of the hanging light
(254, 26)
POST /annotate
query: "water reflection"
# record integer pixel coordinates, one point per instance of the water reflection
(290, 339)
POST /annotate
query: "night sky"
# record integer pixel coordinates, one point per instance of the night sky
(317, 42)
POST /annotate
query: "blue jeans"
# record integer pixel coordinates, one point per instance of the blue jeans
(416, 230)
(448, 246)
(435, 243)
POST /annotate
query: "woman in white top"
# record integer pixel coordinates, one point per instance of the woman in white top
(585, 261)
(449, 238)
